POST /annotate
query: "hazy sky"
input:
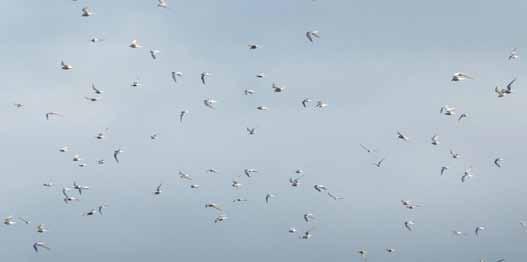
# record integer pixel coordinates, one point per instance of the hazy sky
(381, 66)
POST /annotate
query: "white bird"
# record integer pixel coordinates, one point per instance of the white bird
(136, 83)
(209, 102)
(292, 230)
(307, 234)
(153, 53)
(249, 92)
(498, 161)
(101, 207)
(65, 66)
(458, 233)
(239, 200)
(97, 91)
(321, 104)
(9, 221)
(254, 46)
(27, 222)
(505, 91)
(204, 77)
(448, 110)
(320, 188)
(260, 75)
(154, 136)
(213, 205)
(435, 140)
(116, 154)
(402, 136)
(268, 197)
(249, 171)
(76, 158)
(514, 54)
(212, 171)
(363, 253)
(390, 250)
(96, 40)
(68, 198)
(18, 105)
(262, 108)
(499, 93)
(305, 102)
(182, 114)
(87, 12)
(48, 184)
(158, 189)
(40, 244)
(443, 169)
(64, 149)
(100, 162)
(42, 228)
(308, 217)
(220, 218)
(236, 184)
(408, 225)
(251, 130)
(90, 213)
(92, 99)
(175, 75)
(277, 88)
(454, 155)
(162, 4)
(466, 175)
(50, 114)
(184, 176)
(295, 181)
(79, 187)
(478, 230)
(378, 163)
(135, 44)
(463, 115)
(459, 76)
(312, 34)
(335, 197)
(194, 186)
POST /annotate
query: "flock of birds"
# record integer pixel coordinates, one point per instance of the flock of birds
(74, 192)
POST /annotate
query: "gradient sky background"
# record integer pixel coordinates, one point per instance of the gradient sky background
(382, 66)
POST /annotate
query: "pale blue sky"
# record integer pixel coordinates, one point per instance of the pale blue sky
(382, 66)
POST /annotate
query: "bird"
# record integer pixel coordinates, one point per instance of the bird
(260, 75)
(116, 154)
(90, 213)
(50, 114)
(9, 220)
(307, 234)
(277, 88)
(458, 233)
(41, 228)
(236, 184)
(100, 208)
(466, 175)
(514, 54)
(40, 244)
(27, 222)
(220, 218)
(478, 230)
(498, 161)
(209, 102)
(308, 217)
(239, 200)
(97, 91)
(18, 105)
(184, 176)
(249, 92)
(262, 108)
(334, 197)
(204, 77)
(305, 102)
(321, 104)
(320, 188)
(459, 76)
(251, 130)
(65, 66)
(96, 40)
(363, 253)
(254, 46)
(402, 136)
(435, 140)
(175, 75)
(213, 205)
(366, 148)
(312, 34)
(390, 250)
(268, 197)
(64, 149)
(182, 114)
(448, 110)
(249, 171)
(68, 198)
(154, 136)
(158, 190)
(292, 230)
(87, 12)
(454, 155)
(162, 4)
(463, 115)
(508, 88)
(92, 99)
(76, 158)
(79, 187)
(136, 83)
(408, 225)
(443, 169)
(295, 181)
(212, 171)
(153, 53)
(100, 162)
(194, 186)
(379, 163)
(48, 184)
(499, 93)
(135, 44)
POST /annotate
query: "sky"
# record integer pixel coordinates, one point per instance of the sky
(381, 66)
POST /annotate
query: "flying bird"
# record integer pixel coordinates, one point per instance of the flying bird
(463, 115)
(39, 244)
(402, 136)
(514, 54)
(204, 77)
(182, 114)
(158, 190)
(379, 163)
(184, 176)
(459, 76)
(97, 91)
(478, 230)
(308, 217)
(305, 102)
(153, 53)
(320, 188)
(162, 4)
(466, 175)
(87, 12)
(277, 88)
(175, 75)
(408, 225)
(498, 161)
(454, 155)
(268, 197)
(116, 154)
(443, 169)
(312, 34)
(213, 205)
(435, 140)
(209, 102)
(135, 44)
(79, 187)
(251, 130)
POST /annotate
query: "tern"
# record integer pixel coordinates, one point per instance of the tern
(9, 221)
(184, 176)
(249, 171)
(292, 230)
(239, 200)
(50, 114)
(268, 197)
(447, 110)
(251, 130)
(454, 155)
(253, 46)
(390, 250)
(236, 184)
(307, 234)
(466, 175)
(435, 140)
(116, 154)
(42, 228)
(65, 66)
(321, 104)
(308, 217)
(194, 186)
(478, 230)
(443, 169)
(408, 225)
(220, 218)
(153, 53)
(96, 40)
(175, 76)
(402, 136)
(37, 245)
(97, 91)
(64, 149)
(212, 171)
(463, 115)
(90, 213)
(277, 88)
(135, 44)
(100, 208)
(87, 12)
(459, 76)
(48, 184)
(260, 75)
(18, 105)
(262, 108)
(458, 233)
(514, 54)
(162, 4)
(204, 77)
(320, 188)
(295, 181)
(182, 114)
(79, 187)
(154, 136)
(366, 148)
(92, 99)
(312, 34)
(379, 163)
(249, 92)
(498, 161)
(136, 83)
(158, 190)
(209, 102)
(363, 253)
(305, 102)
(213, 205)
(76, 158)
(334, 197)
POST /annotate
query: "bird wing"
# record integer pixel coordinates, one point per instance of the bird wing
(309, 37)
(509, 85)
(174, 77)
(115, 154)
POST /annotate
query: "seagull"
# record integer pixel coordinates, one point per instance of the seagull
(154, 136)
(307, 234)
(96, 40)
(27, 222)
(292, 230)
(249, 92)
(454, 154)
(363, 254)
(402, 136)
(162, 4)
(50, 114)
(251, 130)
(458, 233)
(321, 104)
(209, 102)
(79, 187)
(498, 161)
(101, 207)
(83, 165)
(158, 190)
(508, 88)
(153, 53)
(390, 250)
(64, 149)
(175, 75)
(65, 66)
(92, 99)
(87, 12)
(42, 228)
(76, 158)
(239, 200)
(135, 44)
(183, 113)
(18, 105)
(335, 197)
(478, 230)
(463, 115)
(9, 221)
(459, 76)
(254, 46)
(212, 170)
(249, 171)
(443, 169)
(408, 224)
(366, 148)
(90, 213)
(308, 217)
(499, 93)
(305, 102)
(312, 34)
(67, 198)
(116, 154)
(40, 244)
(236, 184)
(277, 88)
(299, 171)
(260, 75)
(136, 83)
(447, 110)
(213, 205)
(466, 175)
(262, 108)
(220, 218)
(514, 54)
(100, 162)
(48, 184)
(194, 186)
(184, 176)
(435, 140)
(295, 181)
(97, 91)
(204, 77)
(320, 188)
(268, 197)
(379, 163)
